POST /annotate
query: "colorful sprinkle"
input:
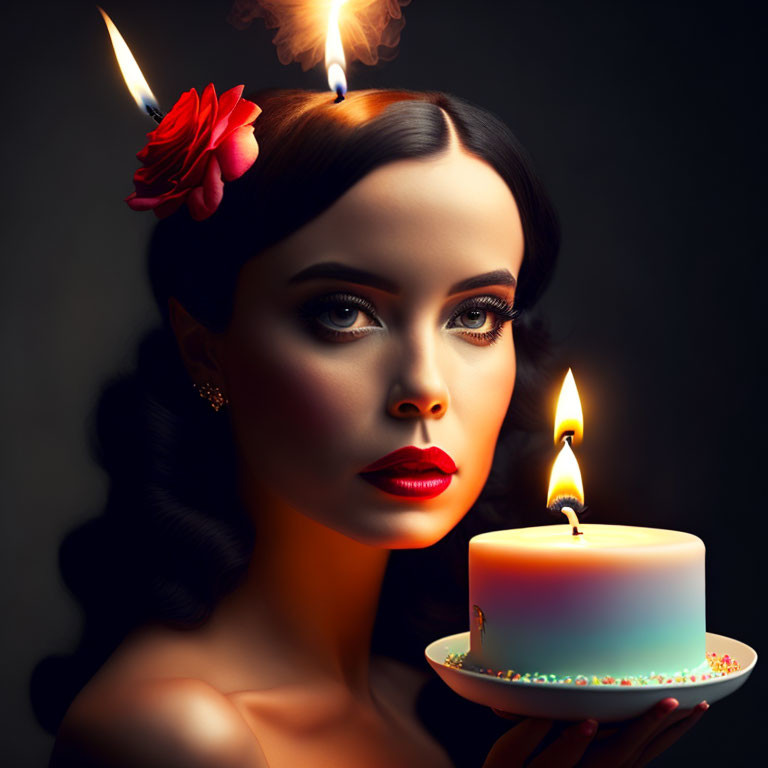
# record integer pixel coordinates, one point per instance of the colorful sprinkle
(719, 666)
(724, 664)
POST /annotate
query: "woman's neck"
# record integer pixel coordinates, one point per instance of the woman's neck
(309, 600)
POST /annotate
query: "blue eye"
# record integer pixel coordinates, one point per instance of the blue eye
(342, 315)
(473, 314)
(477, 318)
(326, 314)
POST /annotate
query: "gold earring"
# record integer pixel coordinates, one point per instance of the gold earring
(213, 394)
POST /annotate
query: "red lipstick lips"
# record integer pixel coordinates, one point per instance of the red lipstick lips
(412, 472)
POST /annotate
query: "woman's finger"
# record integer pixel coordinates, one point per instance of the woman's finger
(628, 743)
(669, 736)
(512, 749)
(569, 748)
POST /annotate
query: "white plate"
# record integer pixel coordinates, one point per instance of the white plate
(605, 703)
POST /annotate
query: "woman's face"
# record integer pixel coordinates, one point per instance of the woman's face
(328, 372)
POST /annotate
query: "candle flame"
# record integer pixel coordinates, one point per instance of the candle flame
(335, 62)
(565, 486)
(370, 30)
(135, 81)
(569, 419)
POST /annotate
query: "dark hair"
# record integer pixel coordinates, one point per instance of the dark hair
(173, 537)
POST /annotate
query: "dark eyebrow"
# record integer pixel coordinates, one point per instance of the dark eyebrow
(335, 271)
(497, 277)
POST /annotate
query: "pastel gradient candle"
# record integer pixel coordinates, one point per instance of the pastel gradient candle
(588, 601)
(615, 601)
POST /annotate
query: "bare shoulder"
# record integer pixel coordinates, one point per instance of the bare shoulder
(162, 722)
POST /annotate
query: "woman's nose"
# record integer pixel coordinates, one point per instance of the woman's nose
(419, 389)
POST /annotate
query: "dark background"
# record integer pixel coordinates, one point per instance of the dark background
(644, 120)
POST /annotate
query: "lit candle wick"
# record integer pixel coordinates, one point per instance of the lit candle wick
(154, 113)
(573, 520)
(335, 61)
(566, 491)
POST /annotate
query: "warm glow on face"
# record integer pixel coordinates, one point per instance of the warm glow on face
(565, 478)
(568, 417)
(135, 81)
(330, 405)
(335, 62)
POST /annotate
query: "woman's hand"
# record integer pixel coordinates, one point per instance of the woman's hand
(631, 745)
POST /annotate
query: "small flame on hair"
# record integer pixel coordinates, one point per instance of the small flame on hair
(370, 29)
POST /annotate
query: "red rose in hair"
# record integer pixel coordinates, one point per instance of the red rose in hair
(199, 144)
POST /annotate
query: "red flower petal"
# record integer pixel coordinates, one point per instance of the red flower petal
(206, 117)
(204, 200)
(137, 203)
(175, 127)
(227, 105)
(159, 176)
(237, 153)
(228, 100)
(245, 112)
(194, 173)
(201, 140)
(167, 207)
(194, 160)
(162, 206)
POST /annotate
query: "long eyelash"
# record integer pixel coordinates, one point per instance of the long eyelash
(309, 312)
(498, 305)
(313, 308)
(333, 299)
(502, 309)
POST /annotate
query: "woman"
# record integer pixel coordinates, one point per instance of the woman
(351, 298)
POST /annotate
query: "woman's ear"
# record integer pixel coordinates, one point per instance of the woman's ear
(196, 345)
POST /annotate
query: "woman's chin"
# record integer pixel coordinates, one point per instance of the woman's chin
(407, 529)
